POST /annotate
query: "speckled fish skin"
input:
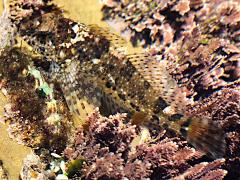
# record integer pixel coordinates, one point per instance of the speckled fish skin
(91, 72)
(90, 52)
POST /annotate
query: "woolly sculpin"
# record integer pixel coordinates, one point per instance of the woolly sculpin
(88, 64)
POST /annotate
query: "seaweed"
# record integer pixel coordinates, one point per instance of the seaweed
(202, 61)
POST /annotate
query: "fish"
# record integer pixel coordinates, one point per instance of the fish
(93, 70)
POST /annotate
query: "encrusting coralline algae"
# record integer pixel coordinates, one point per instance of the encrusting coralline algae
(52, 79)
(203, 57)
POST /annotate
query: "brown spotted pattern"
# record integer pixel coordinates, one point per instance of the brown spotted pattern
(92, 74)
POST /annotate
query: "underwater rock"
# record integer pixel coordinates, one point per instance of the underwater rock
(160, 158)
(43, 166)
(207, 66)
(220, 18)
(7, 30)
(161, 23)
(204, 171)
(17, 12)
(3, 172)
(33, 168)
(158, 23)
(89, 157)
(223, 107)
(203, 59)
(33, 114)
(203, 64)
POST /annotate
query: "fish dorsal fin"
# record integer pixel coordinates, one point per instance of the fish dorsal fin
(155, 72)
(116, 41)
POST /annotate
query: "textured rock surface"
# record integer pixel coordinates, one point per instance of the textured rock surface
(108, 154)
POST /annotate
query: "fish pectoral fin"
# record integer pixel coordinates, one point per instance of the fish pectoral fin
(207, 136)
(80, 108)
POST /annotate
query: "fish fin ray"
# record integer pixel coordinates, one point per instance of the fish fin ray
(155, 72)
(117, 42)
(207, 136)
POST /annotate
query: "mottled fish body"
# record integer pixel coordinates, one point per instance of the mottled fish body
(92, 72)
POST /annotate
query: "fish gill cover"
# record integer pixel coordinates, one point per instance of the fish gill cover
(75, 68)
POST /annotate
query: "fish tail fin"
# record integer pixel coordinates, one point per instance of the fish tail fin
(205, 135)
